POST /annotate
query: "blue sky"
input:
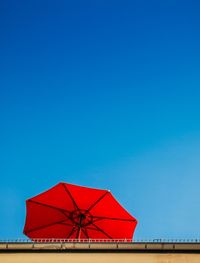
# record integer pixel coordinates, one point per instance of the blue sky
(104, 94)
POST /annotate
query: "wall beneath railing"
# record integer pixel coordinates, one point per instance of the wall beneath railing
(98, 257)
(95, 245)
(98, 251)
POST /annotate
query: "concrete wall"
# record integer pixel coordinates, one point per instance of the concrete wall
(13, 257)
(192, 247)
(91, 252)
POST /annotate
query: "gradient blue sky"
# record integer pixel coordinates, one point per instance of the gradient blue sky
(104, 94)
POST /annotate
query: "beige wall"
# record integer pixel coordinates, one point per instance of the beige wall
(98, 258)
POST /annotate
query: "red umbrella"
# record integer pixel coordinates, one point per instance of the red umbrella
(69, 211)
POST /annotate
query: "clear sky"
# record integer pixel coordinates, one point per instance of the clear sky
(104, 94)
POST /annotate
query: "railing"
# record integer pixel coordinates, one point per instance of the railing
(56, 240)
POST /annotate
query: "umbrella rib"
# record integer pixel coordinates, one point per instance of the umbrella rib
(85, 232)
(98, 200)
(74, 228)
(68, 192)
(44, 226)
(113, 218)
(78, 232)
(50, 206)
(102, 231)
(53, 207)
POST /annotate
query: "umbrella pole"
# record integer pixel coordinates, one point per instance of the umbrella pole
(80, 224)
(79, 233)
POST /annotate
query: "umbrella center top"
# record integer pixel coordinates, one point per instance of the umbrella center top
(81, 217)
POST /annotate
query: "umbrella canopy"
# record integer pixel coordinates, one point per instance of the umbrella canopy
(69, 211)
